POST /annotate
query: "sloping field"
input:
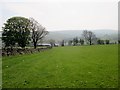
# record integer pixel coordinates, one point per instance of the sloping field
(63, 67)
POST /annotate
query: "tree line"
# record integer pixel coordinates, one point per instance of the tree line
(88, 38)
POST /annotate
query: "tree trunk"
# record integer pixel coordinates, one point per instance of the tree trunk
(90, 42)
(35, 45)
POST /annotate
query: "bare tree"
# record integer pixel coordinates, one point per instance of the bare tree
(38, 31)
(89, 36)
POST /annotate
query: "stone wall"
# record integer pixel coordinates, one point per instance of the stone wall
(17, 51)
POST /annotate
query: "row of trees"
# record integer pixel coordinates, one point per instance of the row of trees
(88, 37)
(76, 41)
(99, 41)
(21, 31)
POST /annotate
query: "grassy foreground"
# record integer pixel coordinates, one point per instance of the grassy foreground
(63, 67)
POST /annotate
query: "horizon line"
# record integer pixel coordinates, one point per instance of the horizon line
(82, 29)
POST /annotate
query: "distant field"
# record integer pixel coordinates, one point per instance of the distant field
(63, 67)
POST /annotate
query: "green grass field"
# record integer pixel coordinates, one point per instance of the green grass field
(93, 66)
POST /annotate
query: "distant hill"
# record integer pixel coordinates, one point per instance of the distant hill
(70, 34)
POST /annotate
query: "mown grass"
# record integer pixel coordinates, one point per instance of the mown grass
(63, 67)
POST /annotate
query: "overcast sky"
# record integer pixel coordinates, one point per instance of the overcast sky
(64, 14)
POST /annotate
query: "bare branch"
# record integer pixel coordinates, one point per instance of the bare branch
(38, 31)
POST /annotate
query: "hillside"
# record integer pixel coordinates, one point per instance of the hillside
(70, 34)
